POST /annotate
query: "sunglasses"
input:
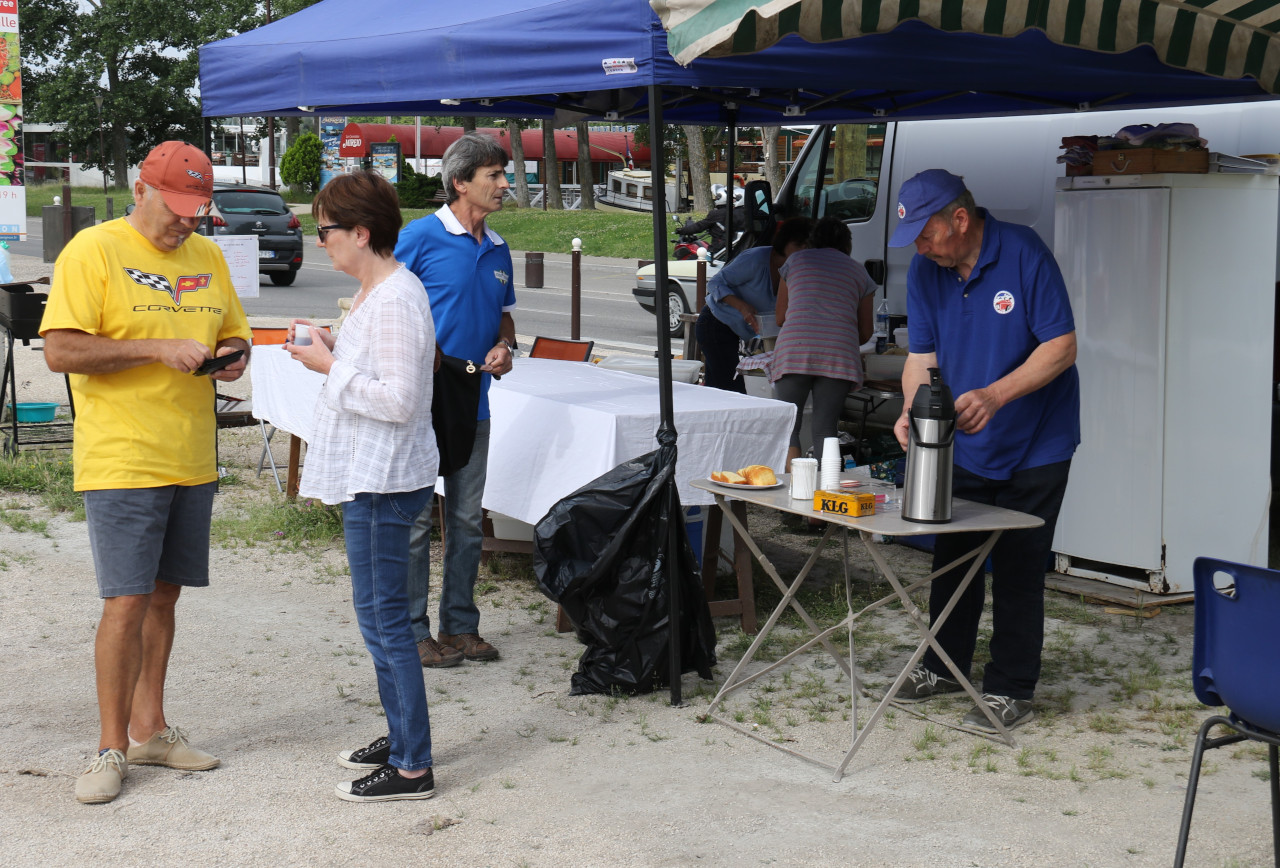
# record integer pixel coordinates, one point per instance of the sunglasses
(323, 231)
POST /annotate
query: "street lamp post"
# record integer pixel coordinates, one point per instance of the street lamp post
(102, 149)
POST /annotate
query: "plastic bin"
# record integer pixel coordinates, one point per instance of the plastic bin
(682, 370)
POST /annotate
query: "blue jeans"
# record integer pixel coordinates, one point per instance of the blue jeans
(376, 527)
(464, 535)
(1018, 564)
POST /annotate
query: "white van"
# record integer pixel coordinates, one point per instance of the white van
(854, 171)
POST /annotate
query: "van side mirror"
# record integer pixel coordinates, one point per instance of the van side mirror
(876, 269)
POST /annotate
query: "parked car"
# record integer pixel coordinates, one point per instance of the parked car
(243, 209)
(682, 290)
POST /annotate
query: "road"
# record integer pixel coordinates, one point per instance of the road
(610, 315)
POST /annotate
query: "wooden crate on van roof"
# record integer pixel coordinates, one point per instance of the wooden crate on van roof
(1141, 161)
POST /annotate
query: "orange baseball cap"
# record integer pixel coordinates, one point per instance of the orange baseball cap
(183, 175)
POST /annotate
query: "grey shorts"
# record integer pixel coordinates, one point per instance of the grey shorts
(141, 535)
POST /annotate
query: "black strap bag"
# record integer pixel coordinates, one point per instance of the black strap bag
(455, 401)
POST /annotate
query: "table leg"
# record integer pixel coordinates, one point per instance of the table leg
(295, 458)
(929, 638)
(745, 604)
(788, 592)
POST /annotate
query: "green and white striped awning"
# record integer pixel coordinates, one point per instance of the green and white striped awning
(1225, 38)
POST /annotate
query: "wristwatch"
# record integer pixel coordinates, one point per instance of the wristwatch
(506, 344)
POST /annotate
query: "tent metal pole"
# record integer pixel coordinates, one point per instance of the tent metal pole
(669, 547)
(729, 185)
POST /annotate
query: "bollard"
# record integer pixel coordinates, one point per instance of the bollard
(67, 223)
(533, 270)
(575, 291)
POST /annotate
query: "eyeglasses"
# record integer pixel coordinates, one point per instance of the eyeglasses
(323, 231)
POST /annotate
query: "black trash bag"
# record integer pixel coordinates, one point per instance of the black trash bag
(599, 553)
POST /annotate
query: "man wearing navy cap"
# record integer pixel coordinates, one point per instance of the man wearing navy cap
(988, 306)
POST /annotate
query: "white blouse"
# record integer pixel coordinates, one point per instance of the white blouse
(373, 422)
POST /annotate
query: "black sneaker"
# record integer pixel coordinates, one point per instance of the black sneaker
(923, 684)
(1009, 711)
(387, 785)
(374, 756)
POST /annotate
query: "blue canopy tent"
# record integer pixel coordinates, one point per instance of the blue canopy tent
(523, 58)
(608, 60)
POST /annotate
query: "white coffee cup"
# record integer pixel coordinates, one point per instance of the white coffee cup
(804, 478)
(301, 335)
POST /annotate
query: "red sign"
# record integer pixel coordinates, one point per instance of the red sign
(8, 7)
(351, 143)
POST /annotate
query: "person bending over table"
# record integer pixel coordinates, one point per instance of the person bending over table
(988, 306)
(824, 300)
(374, 452)
(736, 294)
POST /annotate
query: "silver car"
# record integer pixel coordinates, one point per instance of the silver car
(682, 290)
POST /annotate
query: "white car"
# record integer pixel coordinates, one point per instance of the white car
(682, 290)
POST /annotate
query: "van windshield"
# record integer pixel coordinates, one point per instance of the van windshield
(842, 179)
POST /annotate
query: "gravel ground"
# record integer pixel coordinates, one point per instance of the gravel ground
(269, 672)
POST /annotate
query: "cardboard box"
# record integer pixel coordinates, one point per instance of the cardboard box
(844, 503)
(1141, 161)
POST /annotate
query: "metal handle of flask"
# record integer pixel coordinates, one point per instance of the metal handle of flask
(917, 440)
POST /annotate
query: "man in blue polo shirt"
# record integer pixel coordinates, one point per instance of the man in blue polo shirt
(466, 269)
(987, 305)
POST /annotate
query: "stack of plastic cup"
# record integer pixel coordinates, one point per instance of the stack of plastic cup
(832, 464)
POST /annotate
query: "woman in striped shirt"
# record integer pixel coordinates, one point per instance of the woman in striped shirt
(824, 310)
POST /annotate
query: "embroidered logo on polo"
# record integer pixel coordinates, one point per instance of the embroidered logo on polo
(502, 276)
(1003, 302)
(160, 283)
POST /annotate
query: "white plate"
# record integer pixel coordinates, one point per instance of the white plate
(743, 484)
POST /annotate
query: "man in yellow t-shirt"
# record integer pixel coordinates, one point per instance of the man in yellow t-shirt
(137, 305)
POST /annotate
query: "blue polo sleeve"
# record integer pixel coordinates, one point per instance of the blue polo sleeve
(921, 330)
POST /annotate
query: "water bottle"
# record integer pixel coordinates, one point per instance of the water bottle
(882, 325)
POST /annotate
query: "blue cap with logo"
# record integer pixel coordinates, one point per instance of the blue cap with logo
(920, 198)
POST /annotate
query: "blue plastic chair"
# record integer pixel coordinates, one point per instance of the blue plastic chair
(1236, 663)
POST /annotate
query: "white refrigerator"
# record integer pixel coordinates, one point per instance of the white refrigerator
(1172, 280)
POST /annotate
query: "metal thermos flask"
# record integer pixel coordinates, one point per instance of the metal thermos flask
(926, 495)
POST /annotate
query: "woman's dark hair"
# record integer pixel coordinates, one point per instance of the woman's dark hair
(832, 232)
(363, 199)
(793, 231)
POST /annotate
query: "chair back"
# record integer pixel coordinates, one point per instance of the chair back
(1236, 654)
(558, 348)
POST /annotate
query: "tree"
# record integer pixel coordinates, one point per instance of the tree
(698, 172)
(300, 168)
(515, 130)
(139, 55)
(772, 168)
(551, 183)
(586, 176)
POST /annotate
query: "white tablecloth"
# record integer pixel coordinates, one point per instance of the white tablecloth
(558, 425)
(284, 392)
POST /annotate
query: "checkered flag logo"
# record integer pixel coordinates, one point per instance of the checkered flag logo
(155, 281)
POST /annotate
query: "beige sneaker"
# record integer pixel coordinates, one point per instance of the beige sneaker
(169, 748)
(101, 780)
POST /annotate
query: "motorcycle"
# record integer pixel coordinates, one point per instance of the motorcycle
(688, 244)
